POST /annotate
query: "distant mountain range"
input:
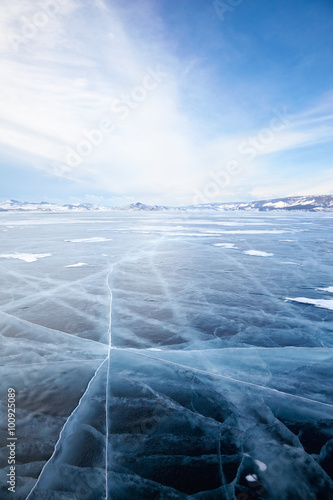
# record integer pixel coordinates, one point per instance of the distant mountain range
(309, 203)
(312, 203)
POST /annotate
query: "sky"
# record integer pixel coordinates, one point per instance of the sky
(169, 102)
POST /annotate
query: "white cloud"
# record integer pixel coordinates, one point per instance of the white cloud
(61, 83)
(313, 185)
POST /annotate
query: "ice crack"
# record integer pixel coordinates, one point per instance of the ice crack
(108, 384)
(62, 430)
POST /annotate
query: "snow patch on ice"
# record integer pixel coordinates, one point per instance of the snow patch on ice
(79, 264)
(89, 240)
(159, 228)
(262, 466)
(252, 478)
(323, 303)
(27, 257)
(225, 245)
(249, 231)
(258, 253)
(327, 289)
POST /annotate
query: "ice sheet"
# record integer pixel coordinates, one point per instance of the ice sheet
(167, 367)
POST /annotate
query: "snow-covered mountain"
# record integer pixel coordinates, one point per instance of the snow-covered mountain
(24, 206)
(141, 206)
(312, 203)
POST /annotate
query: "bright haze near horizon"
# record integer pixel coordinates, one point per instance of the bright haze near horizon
(168, 102)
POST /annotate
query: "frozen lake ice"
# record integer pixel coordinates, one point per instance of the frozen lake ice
(168, 355)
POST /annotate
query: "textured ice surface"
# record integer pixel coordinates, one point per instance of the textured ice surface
(168, 366)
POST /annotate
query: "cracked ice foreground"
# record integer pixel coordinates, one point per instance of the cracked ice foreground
(162, 356)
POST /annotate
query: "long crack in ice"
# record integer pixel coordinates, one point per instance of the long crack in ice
(243, 382)
(107, 359)
(63, 428)
(107, 386)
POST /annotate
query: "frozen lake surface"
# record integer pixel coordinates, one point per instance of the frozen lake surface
(168, 355)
